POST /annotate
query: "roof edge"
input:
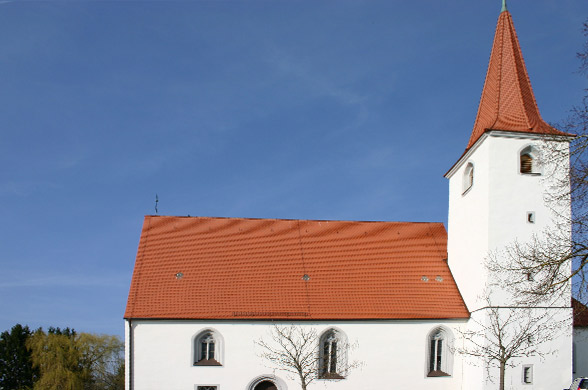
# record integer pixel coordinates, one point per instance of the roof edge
(291, 219)
(563, 137)
(258, 319)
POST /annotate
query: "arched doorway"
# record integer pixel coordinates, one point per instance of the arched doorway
(267, 382)
(265, 385)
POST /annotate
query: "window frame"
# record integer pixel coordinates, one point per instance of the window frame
(439, 358)
(533, 153)
(336, 354)
(468, 178)
(527, 368)
(197, 349)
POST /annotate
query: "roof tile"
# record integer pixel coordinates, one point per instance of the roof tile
(507, 101)
(235, 268)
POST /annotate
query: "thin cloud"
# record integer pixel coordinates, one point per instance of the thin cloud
(312, 79)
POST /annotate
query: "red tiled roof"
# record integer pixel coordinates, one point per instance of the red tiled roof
(233, 268)
(507, 101)
(580, 314)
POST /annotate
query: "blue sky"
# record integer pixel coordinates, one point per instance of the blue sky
(340, 109)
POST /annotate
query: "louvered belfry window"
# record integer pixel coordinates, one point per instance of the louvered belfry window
(526, 163)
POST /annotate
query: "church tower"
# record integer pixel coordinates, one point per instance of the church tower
(498, 187)
(500, 195)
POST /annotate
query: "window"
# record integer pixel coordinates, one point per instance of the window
(266, 382)
(526, 163)
(439, 357)
(574, 358)
(528, 374)
(530, 278)
(332, 359)
(529, 164)
(468, 177)
(530, 217)
(207, 349)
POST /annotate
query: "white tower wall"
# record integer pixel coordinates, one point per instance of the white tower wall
(493, 213)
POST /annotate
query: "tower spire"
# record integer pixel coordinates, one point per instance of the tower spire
(508, 102)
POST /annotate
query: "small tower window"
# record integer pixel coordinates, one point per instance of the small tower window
(526, 163)
(529, 164)
(528, 374)
(530, 217)
(468, 177)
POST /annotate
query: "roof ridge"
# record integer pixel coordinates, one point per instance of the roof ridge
(291, 219)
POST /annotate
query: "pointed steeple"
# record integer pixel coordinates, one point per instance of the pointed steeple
(508, 102)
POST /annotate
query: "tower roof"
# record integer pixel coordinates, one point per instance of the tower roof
(507, 101)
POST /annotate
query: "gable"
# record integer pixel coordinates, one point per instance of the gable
(233, 268)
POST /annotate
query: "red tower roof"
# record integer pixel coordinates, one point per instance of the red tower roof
(507, 101)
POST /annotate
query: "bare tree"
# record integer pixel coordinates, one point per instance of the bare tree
(502, 334)
(295, 349)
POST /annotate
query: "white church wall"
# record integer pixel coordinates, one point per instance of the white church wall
(494, 212)
(468, 224)
(392, 354)
(552, 370)
(514, 195)
(487, 217)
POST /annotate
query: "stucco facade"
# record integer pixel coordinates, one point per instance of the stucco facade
(390, 354)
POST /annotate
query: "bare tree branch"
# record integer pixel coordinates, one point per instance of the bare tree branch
(295, 350)
(507, 333)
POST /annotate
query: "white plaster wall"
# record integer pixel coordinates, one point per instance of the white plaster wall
(581, 352)
(550, 371)
(488, 217)
(392, 353)
(468, 224)
(493, 213)
(513, 195)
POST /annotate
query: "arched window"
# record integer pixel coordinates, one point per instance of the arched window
(207, 348)
(468, 177)
(267, 382)
(439, 356)
(529, 163)
(333, 354)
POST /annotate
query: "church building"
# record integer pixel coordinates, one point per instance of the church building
(388, 302)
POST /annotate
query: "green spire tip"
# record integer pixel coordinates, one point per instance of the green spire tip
(503, 6)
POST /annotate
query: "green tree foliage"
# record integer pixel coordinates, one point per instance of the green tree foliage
(70, 361)
(101, 359)
(16, 366)
(58, 360)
